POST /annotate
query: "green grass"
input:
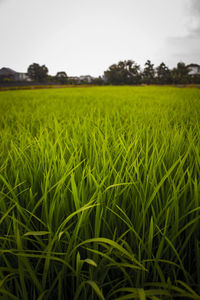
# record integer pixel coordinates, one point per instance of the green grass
(100, 193)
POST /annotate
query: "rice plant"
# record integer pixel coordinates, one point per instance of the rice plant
(100, 193)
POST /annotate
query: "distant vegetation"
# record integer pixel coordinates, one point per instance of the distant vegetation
(100, 193)
(123, 73)
(130, 73)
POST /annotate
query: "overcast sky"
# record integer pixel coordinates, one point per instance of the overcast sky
(87, 36)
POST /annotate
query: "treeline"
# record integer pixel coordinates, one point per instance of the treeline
(40, 74)
(125, 72)
(130, 73)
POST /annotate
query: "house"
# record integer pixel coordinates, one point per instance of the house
(7, 74)
(194, 69)
(80, 79)
(86, 78)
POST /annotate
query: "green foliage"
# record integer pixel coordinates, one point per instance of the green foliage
(61, 77)
(180, 73)
(37, 72)
(125, 72)
(148, 73)
(163, 74)
(100, 193)
(129, 73)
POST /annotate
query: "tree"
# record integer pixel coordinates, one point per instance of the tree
(125, 72)
(180, 73)
(98, 81)
(163, 74)
(132, 72)
(113, 75)
(194, 78)
(149, 72)
(61, 77)
(37, 72)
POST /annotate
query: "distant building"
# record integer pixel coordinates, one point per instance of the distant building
(86, 78)
(11, 75)
(80, 79)
(194, 69)
(73, 79)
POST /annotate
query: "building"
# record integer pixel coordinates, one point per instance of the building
(194, 69)
(7, 74)
(86, 78)
(80, 79)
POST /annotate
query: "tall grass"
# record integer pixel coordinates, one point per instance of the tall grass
(100, 193)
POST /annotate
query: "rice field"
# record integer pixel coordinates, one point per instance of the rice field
(100, 193)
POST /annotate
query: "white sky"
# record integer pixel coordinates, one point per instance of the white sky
(87, 36)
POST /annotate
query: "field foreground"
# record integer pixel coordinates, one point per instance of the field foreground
(100, 193)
